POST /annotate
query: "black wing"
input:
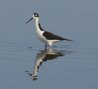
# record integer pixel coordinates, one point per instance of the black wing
(51, 36)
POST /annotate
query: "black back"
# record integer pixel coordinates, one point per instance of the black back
(51, 36)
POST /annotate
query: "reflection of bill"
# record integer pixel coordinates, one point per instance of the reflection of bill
(43, 56)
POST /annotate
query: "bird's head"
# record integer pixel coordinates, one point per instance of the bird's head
(35, 16)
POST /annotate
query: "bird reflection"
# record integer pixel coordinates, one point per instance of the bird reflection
(43, 56)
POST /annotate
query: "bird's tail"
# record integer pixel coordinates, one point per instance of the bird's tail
(67, 39)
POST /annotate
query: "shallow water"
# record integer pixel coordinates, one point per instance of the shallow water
(24, 64)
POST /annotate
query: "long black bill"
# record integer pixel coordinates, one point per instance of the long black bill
(29, 20)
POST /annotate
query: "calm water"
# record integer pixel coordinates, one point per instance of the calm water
(24, 64)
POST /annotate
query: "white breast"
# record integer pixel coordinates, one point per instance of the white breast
(40, 35)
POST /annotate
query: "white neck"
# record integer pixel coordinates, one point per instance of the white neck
(37, 24)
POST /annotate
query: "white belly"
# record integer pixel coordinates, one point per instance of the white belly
(43, 39)
(40, 36)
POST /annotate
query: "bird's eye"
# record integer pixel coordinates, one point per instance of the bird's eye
(36, 15)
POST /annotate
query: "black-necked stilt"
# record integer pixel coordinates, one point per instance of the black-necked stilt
(45, 36)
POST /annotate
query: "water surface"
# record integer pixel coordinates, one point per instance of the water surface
(69, 65)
